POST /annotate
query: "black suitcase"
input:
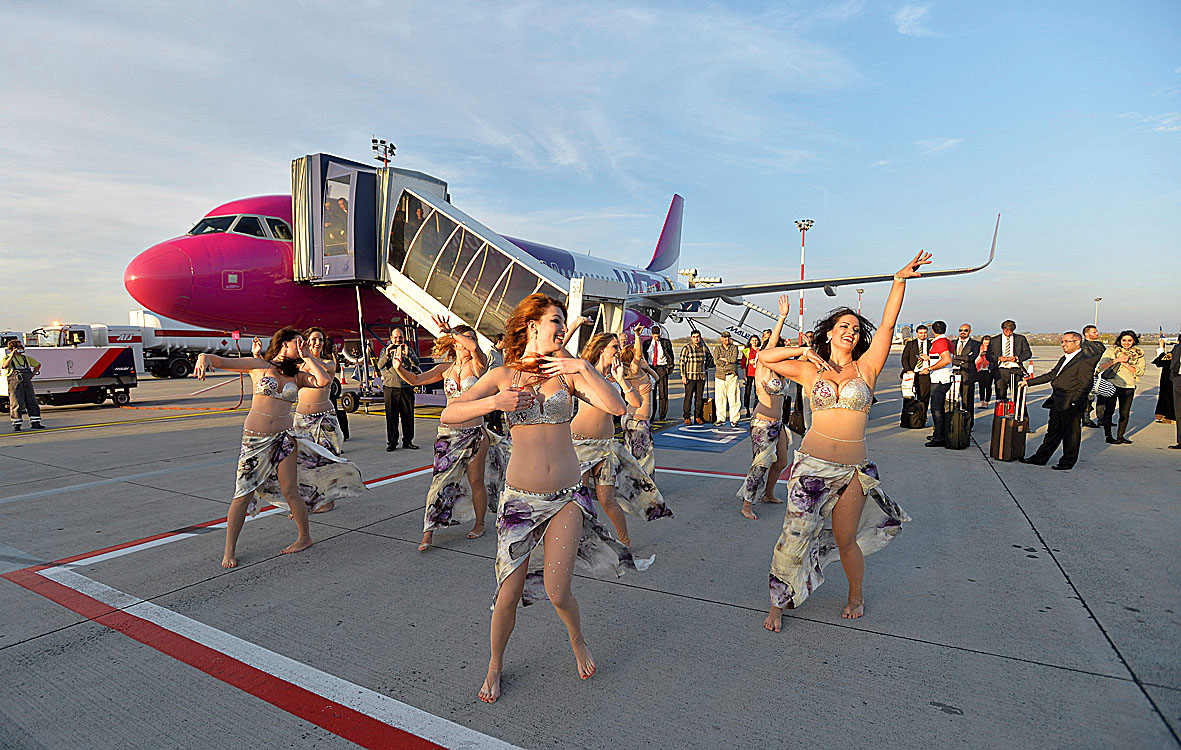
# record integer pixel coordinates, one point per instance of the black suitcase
(914, 414)
(1010, 425)
(957, 425)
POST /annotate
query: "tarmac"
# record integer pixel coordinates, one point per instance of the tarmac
(1021, 608)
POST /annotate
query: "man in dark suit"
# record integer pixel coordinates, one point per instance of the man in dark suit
(1175, 375)
(1071, 381)
(915, 354)
(965, 350)
(1092, 347)
(1007, 354)
(660, 358)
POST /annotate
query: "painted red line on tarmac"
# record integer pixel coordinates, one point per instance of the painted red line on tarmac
(700, 471)
(342, 721)
(399, 474)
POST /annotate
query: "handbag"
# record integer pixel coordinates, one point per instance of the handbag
(1102, 387)
(795, 422)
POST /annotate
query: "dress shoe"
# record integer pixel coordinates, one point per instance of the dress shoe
(1111, 440)
(411, 446)
(699, 421)
(1176, 447)
(1090, 423)
(1032, 460)
(391, 448)
(935, 444)
(1060, 467)
(688, 421)
(1123, 441)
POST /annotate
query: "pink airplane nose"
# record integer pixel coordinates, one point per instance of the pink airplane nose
(161, 279)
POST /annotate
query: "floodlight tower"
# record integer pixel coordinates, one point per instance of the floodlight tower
(804, 225)
(383, 150)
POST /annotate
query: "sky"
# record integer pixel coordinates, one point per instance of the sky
(895, 127)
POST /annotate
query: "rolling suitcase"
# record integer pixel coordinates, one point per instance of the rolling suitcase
(1010, 425)
(958, 420)
(709, 413)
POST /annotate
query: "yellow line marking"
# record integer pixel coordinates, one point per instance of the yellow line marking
(47, 430)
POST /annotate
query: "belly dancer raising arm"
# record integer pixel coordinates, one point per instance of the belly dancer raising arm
(828, 516)
(544, 499)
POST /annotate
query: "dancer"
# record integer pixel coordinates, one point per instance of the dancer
(464, 448)
(267, 468)
(544, 498)
(605, 461)
(831, 478)
(769, 438)
(637, 423)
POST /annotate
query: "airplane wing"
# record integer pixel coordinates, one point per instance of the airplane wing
(733, 293)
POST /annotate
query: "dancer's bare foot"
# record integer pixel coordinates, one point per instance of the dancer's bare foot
(774, 621)
(476, 532)
(490, 690)
(772, 500)
(582, 654)
(854, 609)
(299, 545)
(748, 511)
(325, 507)
(229, 561)
(427, 538)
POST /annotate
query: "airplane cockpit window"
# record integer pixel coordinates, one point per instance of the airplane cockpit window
(249, 225)
(280, 229)
(212, 224)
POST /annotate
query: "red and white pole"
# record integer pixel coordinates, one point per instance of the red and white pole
(804, 225)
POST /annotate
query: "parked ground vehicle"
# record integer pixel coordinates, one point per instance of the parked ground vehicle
(79, 366)
(170, 348)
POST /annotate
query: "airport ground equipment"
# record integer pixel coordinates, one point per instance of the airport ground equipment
(79, 374)
(170, 348)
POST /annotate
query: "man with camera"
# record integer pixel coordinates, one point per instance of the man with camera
(399, 395)
(20, 369)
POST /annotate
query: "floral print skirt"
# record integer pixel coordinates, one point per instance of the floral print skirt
(806, 544)
(448, 501)
(520, 526)
(764, 440)
(637, 436)
(613, 465)
(322, 477)
(321, 428)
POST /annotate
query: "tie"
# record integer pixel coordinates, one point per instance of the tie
(960, 347)
(655, 349)
(1008, 346)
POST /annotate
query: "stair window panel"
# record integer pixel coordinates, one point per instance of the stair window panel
(436, 230)
(478, 280)
(407, 221)
(517, 284)
(441, 284)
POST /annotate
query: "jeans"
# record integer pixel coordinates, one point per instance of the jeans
(1124, 397)
(939, 410)
(694, 389)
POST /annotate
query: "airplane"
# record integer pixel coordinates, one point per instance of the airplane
(233, 271)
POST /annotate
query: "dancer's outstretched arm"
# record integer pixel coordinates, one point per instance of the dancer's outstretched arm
(875, 358)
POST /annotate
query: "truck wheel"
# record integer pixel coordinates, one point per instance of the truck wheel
(159, 372)
(349, 402)
(179, 368)
(98, 396)
(121, 398)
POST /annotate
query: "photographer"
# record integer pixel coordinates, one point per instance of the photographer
(399, 395)
(20, 369)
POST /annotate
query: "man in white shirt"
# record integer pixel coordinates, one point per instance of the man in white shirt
(1008, 354)
(658, 352)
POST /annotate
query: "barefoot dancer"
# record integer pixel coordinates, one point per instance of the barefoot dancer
(769, 439)
(267, 469)
(463, 448)
(544, 499)
(315, 416)
(637, 423)
(831, 478)
(602, 458)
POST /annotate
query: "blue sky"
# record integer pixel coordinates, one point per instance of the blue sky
(894, 126)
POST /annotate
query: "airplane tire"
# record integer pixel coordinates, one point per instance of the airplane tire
(179, 368)
(349, 402)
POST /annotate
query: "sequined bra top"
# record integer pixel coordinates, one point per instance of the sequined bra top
(854, 395)
(453, 389)
(557, 409)
(774, 386)
(269, 386)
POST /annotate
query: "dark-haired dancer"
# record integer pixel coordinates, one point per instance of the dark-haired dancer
(769, 440)
(465, 449)
(267, 468)
(637, 423)
(621, 484)
(544, 498)
(831, 478)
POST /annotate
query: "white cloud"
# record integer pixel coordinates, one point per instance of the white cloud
(911, 20)
(1166, 122)
(939, 145)
(880, 163)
